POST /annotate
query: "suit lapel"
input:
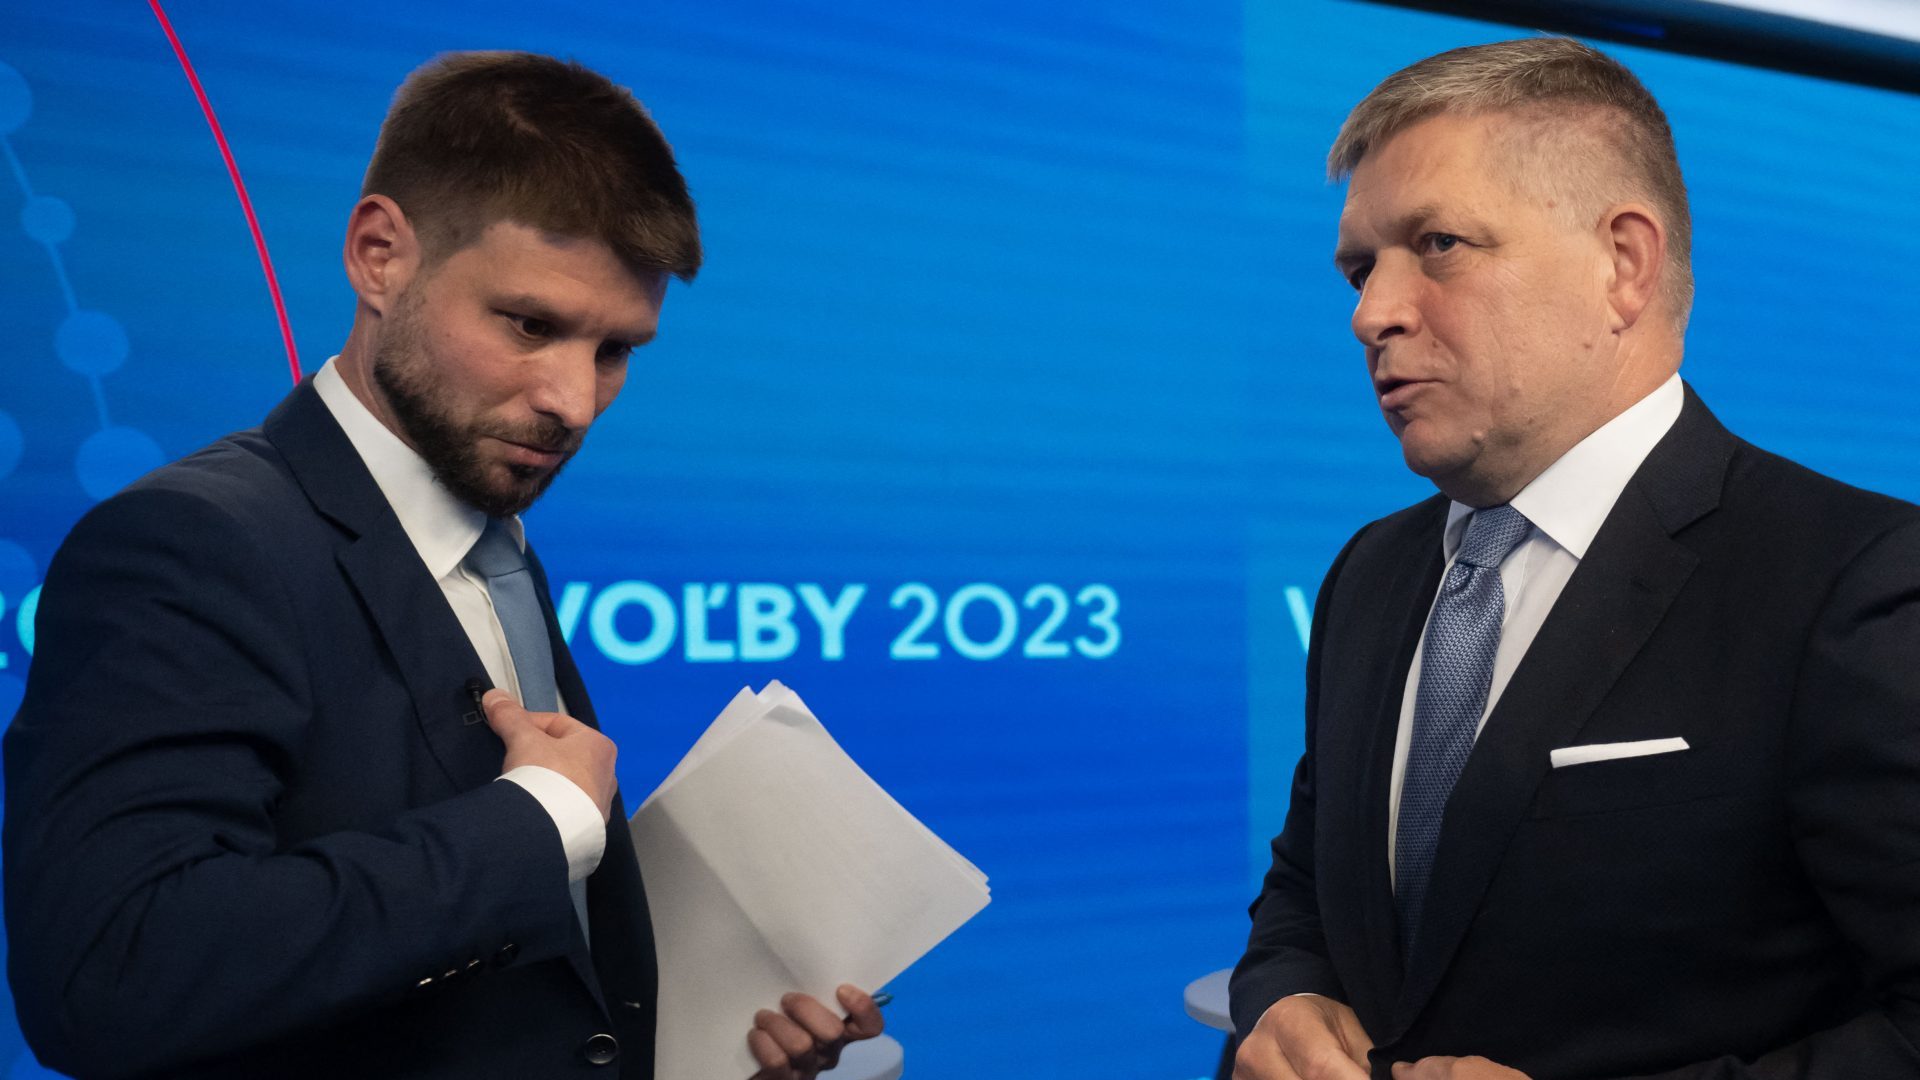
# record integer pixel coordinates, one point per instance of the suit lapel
(566, 675)
(1606, 613)
(1364, 925)
(430, 649)
(436, 660)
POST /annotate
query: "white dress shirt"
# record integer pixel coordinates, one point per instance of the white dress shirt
(1566, 505)
(443, 529)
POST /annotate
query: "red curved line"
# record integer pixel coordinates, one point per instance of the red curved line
(239, 186)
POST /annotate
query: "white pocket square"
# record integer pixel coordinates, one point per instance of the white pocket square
(1608, 751)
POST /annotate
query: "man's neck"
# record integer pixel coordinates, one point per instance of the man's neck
(1479, 490)
(355, 364)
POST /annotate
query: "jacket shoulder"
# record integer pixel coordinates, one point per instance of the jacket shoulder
(1800, 510)
(240, 480)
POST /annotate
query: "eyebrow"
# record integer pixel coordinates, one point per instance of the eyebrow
(1347, 255)
(534, 307)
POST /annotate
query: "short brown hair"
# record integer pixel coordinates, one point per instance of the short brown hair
(478, 137)
(1564, 92)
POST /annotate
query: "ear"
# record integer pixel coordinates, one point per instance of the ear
(1636, 243)
(382, 252)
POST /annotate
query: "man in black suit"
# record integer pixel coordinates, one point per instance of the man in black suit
(259, 821)
(1613, 748)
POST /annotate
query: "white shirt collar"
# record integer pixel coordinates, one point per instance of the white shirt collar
(1572, 498)
(443, 529)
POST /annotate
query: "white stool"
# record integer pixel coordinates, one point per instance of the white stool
(878, 1058)
(1207, 1000)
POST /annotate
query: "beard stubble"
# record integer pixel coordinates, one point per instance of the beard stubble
(420, 399)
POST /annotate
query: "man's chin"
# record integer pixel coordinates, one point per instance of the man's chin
(517, 496)
(1426, 458)
(1447, 468)
(502, 490)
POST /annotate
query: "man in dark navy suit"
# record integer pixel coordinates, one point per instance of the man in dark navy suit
(1613, 747)
(258, 820)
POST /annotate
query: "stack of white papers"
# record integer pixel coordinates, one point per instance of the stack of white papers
(773, 864)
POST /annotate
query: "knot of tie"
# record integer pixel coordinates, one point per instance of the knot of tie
(1492, 535)
(495, 554)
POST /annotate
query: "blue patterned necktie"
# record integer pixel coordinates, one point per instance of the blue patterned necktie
(496, 557)
(1456, 667)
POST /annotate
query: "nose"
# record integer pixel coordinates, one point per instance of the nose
(566, 388)
(1387, 307)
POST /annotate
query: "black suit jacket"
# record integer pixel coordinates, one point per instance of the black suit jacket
(1749, 907)
(252, 825)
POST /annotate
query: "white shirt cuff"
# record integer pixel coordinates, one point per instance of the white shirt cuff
(583, 832)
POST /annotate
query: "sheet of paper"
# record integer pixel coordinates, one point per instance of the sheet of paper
(745, 708)
(773, 863)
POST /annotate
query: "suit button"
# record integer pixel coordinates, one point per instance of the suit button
(601, 1049)
(506, 954)
(475, 966)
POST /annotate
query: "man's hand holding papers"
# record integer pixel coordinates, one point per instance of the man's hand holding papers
(777, 870)
(805, 1039)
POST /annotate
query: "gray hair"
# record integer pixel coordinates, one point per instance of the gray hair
(1569, 100)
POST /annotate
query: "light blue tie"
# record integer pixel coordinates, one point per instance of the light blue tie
(1456, 667)
(496, 557)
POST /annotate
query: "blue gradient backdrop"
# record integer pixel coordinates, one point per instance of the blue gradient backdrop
(1005, 294)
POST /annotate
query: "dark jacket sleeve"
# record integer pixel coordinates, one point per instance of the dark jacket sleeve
(1854, 814)
(153, 915)
(1286, 949)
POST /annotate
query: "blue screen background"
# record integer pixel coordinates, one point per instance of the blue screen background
(999, 296)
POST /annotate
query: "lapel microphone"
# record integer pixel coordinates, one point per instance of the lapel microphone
(476, 689)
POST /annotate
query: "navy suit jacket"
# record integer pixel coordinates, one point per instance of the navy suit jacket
(1746, 908)
(252, 820)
